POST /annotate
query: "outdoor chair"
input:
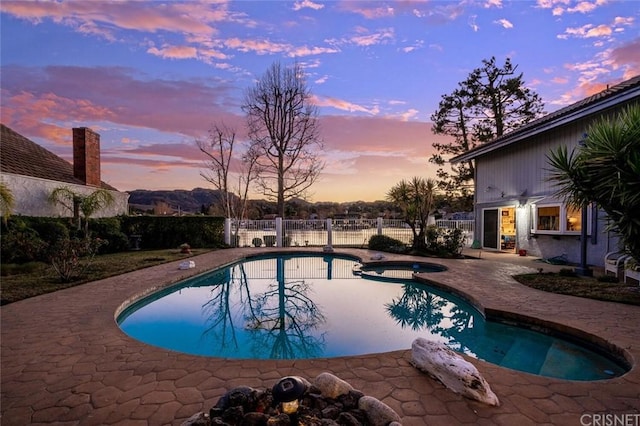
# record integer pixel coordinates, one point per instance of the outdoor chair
(614, 262)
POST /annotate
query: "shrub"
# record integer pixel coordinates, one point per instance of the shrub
(385, 243)
(65, 256)
(164, 232)
(566, 272)
(607, 279)
(21, 244)
(444, 242)
(109, 229)
(51, 230)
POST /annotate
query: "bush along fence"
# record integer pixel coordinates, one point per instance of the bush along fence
(326, 233)
(25, 238)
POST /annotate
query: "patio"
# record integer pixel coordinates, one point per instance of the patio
(66, 362)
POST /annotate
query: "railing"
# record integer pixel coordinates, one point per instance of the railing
(329, 232)
(465, 225)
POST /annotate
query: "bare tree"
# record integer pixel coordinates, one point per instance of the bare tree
(283, 129)
(219, 149)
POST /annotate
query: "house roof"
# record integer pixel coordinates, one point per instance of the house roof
(21, 156)
(622, 92)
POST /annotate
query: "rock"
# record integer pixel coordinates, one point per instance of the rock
(242, 396)
(350, 399)
(254, 419)
(198, 419)
(279, 420)
(331, 412)
(378, 413)
(331, 386)
(233, 415)
(348, 419)
(452, 370)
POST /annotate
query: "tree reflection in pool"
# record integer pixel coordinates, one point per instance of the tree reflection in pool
(309, 306)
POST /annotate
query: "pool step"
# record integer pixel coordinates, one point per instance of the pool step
(526, 355)
(561, 361)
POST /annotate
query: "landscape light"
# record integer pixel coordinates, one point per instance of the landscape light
(288, 392)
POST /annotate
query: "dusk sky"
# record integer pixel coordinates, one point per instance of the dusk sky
(153, 76)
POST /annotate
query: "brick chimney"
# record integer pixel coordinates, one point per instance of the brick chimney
(86, 156)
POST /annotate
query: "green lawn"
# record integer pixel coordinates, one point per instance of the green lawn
(22, 281)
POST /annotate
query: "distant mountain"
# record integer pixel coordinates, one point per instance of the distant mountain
(192, 201)
(180, 199)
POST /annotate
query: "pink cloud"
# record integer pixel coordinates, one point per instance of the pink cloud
(369, 10)
(343, 105)
(377, 134)
(174, 52)
(307, 4)
(84, 95)
(628, 58)
(189, 18)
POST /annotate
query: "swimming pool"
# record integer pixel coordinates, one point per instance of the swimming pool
(311, 306)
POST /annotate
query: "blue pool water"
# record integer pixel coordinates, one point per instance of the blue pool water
(309, 306)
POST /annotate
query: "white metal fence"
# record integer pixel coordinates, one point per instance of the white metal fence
(329, 232)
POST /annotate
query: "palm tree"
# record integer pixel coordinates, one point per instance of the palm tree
(78, 203)
(6, 201)
(606, 170)
(415, 198)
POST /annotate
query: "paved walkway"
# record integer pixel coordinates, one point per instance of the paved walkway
(64, 361)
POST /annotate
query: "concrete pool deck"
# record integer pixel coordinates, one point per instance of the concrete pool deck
(64, 360)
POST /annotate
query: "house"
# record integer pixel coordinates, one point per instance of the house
(31, 173)
(515, 206)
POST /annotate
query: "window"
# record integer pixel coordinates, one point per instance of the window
(548, 218)
(556, 219)
(574, 220)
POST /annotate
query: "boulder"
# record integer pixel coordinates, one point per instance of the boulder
(331, 386)
(378, 413)
(452, 370)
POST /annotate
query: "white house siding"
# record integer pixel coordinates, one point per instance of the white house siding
(31, 197)
(516, 176)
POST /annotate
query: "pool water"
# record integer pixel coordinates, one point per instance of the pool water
(310, 306)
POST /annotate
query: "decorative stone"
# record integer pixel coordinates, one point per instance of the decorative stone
(239, 396)
(254, 419)
(452, 370)
(348, 419)
(378, 413)
(350, 399)
(331, 386)
(198, 419)
(279, 420)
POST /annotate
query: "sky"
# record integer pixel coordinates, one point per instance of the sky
(152, 77)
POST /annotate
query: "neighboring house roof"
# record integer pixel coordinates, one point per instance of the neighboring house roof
(21, 156)
(622, 92)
